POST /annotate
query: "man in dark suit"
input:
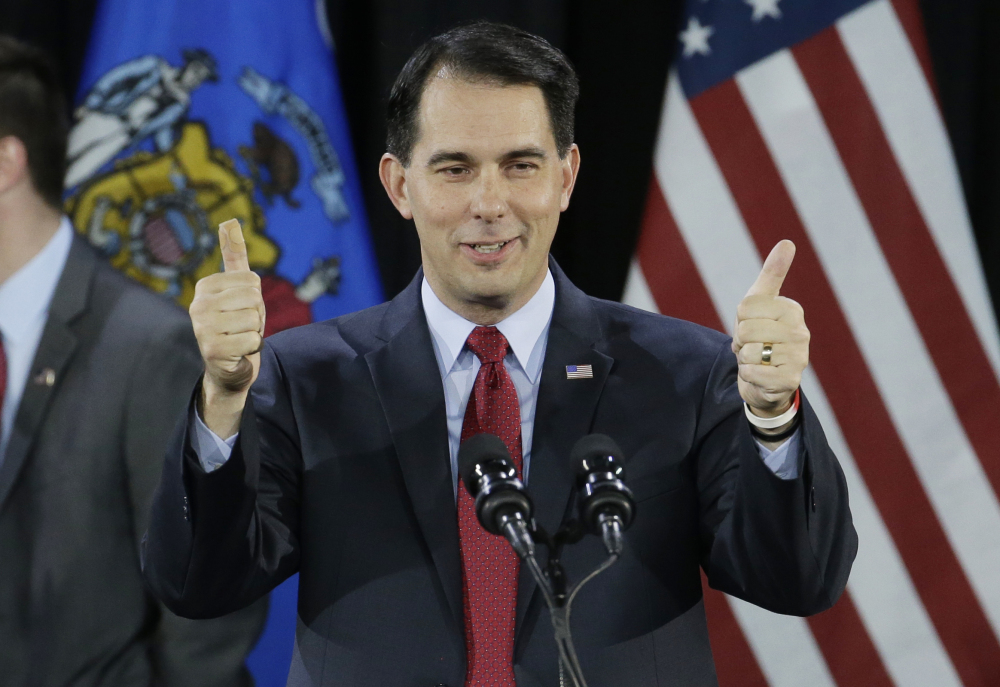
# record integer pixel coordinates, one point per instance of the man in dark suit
(331, 449)
(94, 372)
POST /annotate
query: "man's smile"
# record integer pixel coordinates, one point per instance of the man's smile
(488, 247)
(484, 253)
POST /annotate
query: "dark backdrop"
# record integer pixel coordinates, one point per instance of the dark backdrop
(622, 51)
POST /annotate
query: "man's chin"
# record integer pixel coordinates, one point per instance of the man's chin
(496, 277)
(493, 288)
(497, 299)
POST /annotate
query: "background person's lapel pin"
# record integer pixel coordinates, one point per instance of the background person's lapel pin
(579, 372)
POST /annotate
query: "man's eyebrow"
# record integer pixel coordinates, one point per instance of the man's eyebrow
(530, 151)
(464, 158)
(449, 156)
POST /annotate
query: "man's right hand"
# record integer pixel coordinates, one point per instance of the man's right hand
(228, 317)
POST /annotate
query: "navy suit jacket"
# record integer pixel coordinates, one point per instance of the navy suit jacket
(341, 473)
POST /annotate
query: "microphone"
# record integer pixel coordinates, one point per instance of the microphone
(607, 506)
(502, 505)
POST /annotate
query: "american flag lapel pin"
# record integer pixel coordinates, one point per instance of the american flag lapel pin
(579, 372)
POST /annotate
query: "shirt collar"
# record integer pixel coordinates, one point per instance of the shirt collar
(26, 295)
(523, 329)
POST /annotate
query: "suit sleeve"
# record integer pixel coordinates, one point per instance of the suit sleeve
(218, 541)
(184, 652)
(785, 545)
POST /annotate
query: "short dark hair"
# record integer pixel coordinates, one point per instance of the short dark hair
(33, 109)
(488, 52)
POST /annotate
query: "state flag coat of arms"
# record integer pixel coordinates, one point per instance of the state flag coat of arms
(191, 113)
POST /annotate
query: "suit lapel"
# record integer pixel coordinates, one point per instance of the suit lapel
(55, 349)
(564, 413)
(409, 386)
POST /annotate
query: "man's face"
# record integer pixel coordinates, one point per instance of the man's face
(485, 187)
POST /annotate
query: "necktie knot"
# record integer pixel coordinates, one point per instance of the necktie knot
(489, 345)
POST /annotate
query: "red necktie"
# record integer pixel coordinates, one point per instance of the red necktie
(489, 564)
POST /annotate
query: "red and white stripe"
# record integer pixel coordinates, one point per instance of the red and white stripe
(839, 145)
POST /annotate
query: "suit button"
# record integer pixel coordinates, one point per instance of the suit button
(813, 495)
(187, 510)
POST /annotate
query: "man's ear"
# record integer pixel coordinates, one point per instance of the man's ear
(570, 168)
(13, 162)
(393, 175)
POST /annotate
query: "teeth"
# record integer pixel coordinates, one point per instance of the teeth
(489, 247)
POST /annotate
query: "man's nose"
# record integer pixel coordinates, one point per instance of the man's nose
(489, 203)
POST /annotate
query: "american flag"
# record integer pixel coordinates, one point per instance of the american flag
(579, 371)
(817, 121)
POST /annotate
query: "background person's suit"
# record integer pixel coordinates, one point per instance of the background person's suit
(341, 471)
(76, 484)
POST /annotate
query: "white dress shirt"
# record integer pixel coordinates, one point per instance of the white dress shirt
(527, 332)
(24, 309)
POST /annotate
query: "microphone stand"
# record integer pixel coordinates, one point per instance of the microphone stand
(553, 582)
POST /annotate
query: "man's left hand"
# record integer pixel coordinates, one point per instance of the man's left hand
(764, 318)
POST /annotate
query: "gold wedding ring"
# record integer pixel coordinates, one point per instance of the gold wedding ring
(765, 355)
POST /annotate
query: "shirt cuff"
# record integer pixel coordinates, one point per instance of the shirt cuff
(782, 461)
(212, 450)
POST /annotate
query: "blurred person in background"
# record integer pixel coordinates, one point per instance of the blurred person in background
(94, 372)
